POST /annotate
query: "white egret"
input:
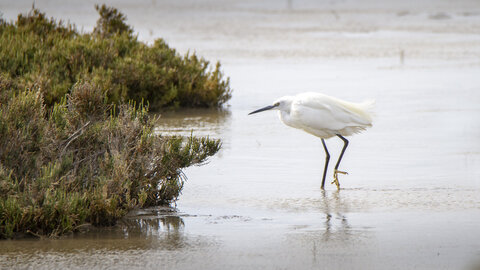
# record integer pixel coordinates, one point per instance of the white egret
(324, 116)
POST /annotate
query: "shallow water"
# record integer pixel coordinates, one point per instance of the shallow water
(412, 196)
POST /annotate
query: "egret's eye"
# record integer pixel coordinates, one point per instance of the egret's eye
(276, 104)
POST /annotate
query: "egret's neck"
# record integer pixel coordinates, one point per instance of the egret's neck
(286, 118)
(284, 109)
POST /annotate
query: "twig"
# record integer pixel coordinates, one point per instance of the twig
(74, 136)
(34, 234)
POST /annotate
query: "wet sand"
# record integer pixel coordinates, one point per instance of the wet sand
(412, 196)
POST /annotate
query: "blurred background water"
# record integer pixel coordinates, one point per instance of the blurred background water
(412, 196)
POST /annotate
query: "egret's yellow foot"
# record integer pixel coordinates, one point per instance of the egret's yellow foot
(335, 177)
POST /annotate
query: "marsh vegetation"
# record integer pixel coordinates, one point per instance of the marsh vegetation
(36, 50)
(76, 140)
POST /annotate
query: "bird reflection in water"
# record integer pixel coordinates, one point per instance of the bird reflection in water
(334, 208)
(334, 234)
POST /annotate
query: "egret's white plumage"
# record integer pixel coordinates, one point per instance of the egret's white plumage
(324, 116)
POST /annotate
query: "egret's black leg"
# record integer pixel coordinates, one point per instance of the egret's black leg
(327, 159)
(336, 171)
(345, 144)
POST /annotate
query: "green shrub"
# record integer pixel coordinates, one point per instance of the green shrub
(54, 56)
(83, 160)
(111, 22)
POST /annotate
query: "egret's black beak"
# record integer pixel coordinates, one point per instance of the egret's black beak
(264, 109)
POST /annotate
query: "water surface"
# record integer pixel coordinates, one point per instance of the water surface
(412, 196)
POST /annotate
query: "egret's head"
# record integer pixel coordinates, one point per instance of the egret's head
(282, 104)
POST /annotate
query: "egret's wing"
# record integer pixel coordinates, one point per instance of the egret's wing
(321, 112)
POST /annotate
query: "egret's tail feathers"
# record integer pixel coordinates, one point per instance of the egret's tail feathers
(368, 104)
(368, 108)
